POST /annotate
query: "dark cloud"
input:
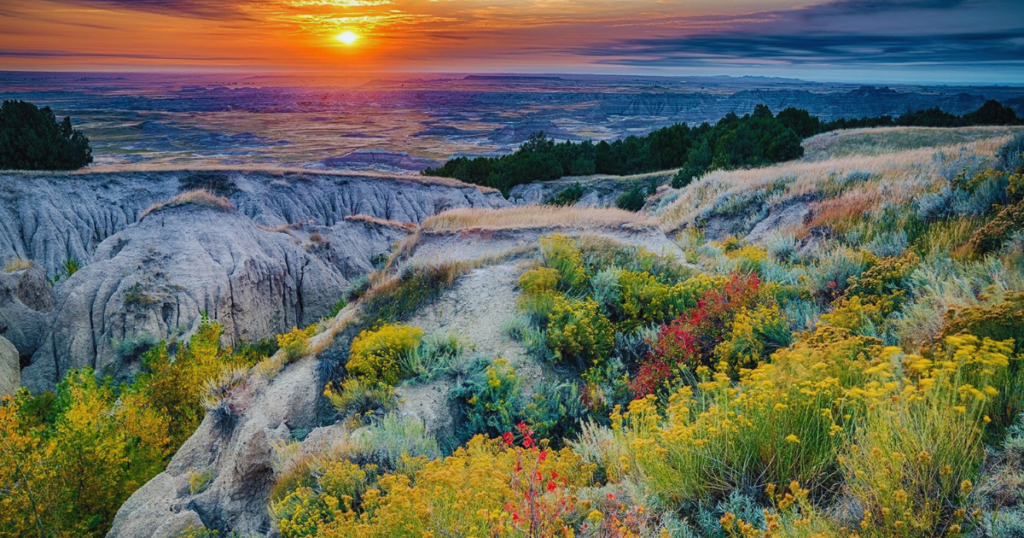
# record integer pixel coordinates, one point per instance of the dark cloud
(14, 53)
(206, 9)
(860, 7)
(1005, 48)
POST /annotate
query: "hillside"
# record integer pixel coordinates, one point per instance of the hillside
(826, 347)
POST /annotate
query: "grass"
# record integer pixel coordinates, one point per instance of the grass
(533, 216)
(368, 219)
(198, 197)
(898, 177)
(893, 139)
(18, 264)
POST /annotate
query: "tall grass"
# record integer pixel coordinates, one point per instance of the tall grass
(533, 216)
(198, 197)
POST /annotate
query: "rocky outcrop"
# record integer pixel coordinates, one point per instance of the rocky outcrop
(26, 306)
(154, 278)
(52, 217)
(237, 456)
(10, 373)
(281, 260)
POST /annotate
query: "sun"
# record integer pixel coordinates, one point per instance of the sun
(347, 37)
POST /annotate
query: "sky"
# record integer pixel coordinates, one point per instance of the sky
(925, 41)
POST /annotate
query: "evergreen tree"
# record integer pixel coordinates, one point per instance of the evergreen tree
(31, 138)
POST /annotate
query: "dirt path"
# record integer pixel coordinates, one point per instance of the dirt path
(476, 308)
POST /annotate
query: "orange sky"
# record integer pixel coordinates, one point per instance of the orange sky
(299, 34)
(511, 35)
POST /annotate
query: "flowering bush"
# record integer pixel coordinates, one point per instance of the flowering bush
(578, 332)
(690, 340)
(561, 254)
(379, 355)
(295, 344)
(781, 423)
(646, 300)
(755, 334)
(538, 292)
(489, 488)
(915, 453)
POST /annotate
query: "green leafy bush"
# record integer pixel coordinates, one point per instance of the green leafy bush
(634, 197)
(568, 196)
(490, 400)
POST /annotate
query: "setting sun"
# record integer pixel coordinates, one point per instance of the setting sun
(347, 37)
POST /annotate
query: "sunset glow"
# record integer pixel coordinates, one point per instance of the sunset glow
(347, 37)
(772, 37)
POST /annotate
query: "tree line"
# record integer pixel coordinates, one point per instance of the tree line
(756, 139)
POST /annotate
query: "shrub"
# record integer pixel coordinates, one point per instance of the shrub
(556, 412)
(561, 254)
(647, 301)
(579, 333)
(361, 400)
(992, 236)
(756, 333)
(295, 344)
(490, 400)
(32, 139)
(690, 340)
(394, 439)
(538, 287)
(485, 487)
(633, 199)
(915, 454)
(381, 355)
(568, 196)
(176, 386)
(438, 354)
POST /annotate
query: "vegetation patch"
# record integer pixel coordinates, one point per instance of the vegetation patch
(199, 197)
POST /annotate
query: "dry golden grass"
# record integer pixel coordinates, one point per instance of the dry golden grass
(878, 141)
(533, 216)
(409, 226)
(848, 208)
(896, 177)
(18, 264)
(200, 197)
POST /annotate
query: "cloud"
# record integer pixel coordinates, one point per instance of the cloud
(841, 33)
(204, 9)
(975, 48)
(860, 7)
(15, 53)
